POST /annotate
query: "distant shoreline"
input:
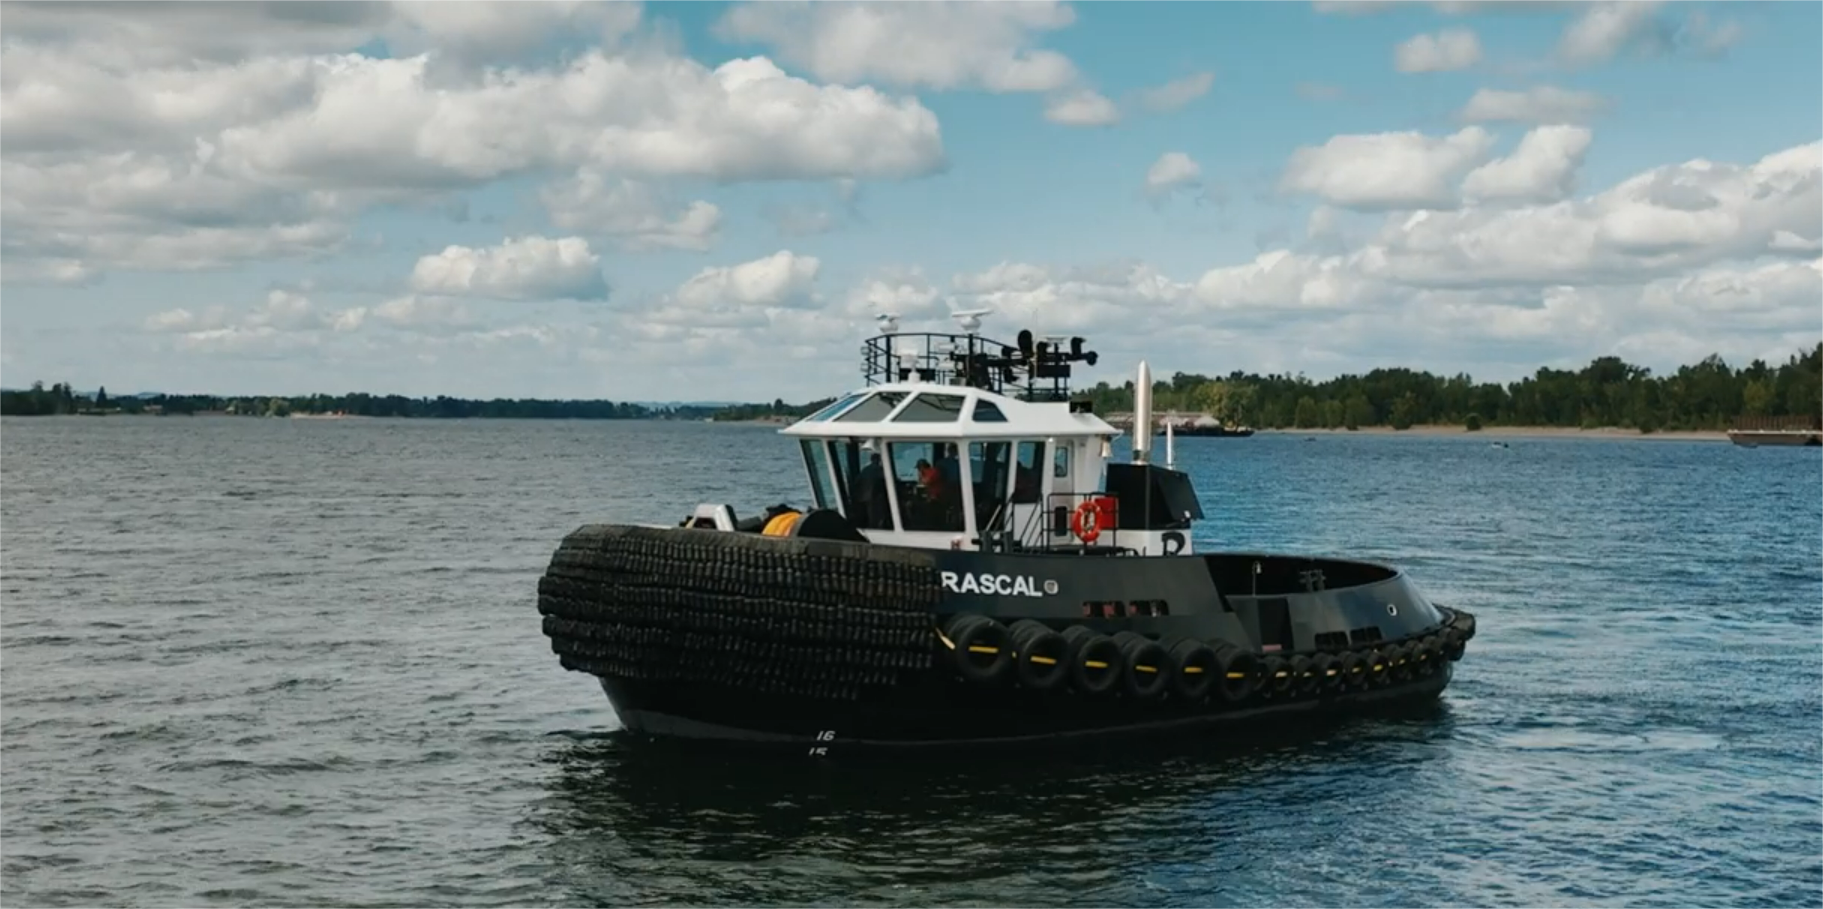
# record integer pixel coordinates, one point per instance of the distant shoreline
(1552, 432)
(1503, 432)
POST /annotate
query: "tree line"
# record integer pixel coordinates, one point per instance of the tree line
(1708, 395)
(1609, 391)
(59, 399)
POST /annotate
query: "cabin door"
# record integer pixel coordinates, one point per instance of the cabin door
(989, 481)
(1024, 492)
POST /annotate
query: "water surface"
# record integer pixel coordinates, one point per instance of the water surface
(272, 662)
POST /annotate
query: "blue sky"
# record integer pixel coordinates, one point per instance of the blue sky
(210, 199)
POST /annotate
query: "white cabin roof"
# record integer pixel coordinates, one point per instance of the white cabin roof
(927, 410)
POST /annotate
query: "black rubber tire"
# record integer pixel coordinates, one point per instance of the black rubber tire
(1463, 622)
(1039, 655)
(1145, 666)
(1354, 670)
(1426, 657)
(1238, 674)
(1328, 670)
(1094, 665)
(1455, 644)
(1275, 675)
(1193, 670)
(1379, 668)
(1305, 680)
(1399, 663)
(982, 651)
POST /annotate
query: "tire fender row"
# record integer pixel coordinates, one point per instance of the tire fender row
(1082, 661)
(790, 616)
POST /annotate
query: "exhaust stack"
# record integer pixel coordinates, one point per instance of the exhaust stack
(1142, 414)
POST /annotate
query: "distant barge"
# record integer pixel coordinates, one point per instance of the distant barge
(1203, 426)
(1752, 432)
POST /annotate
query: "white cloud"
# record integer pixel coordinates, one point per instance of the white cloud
(1708, 40)
(1172, 171)
(1084, 107)
(182, 320)
(230, 28)
(525, 268)
(1387, 170)
(629, 212)
(744, 295)
(1599, 32)
(165, 161)
(1280, 280)
(1660, 223)
(1176, 93)
(1443, 7)
(124, 209)
(905, 292)
(1605, 29)
(1539, 104)
(1073, 299)
(378, 122)
(64, 272)
(473, 32)
(218, 328)
(1449, 50)
(938, 44)
(1542, 169)
(1784, 241)
(418, 313)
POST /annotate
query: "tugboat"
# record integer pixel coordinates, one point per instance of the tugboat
(972, 568)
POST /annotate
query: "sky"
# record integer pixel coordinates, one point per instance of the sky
(708, 201)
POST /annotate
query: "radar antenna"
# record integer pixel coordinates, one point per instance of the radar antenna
(969, 319)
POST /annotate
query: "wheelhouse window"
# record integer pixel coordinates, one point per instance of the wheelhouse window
(927, 480)
(1027, 477)
(833, 408)
(1060, 460)
(872, 509)
(931, 407)
(874, 409)
(816, 461)
(857, 488)
(987, 412)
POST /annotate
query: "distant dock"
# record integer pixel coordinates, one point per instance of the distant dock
(1752, 432)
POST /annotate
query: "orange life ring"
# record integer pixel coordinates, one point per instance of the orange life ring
(1095, 513)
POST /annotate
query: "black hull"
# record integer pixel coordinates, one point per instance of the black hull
(963, 718)
(820, 645)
